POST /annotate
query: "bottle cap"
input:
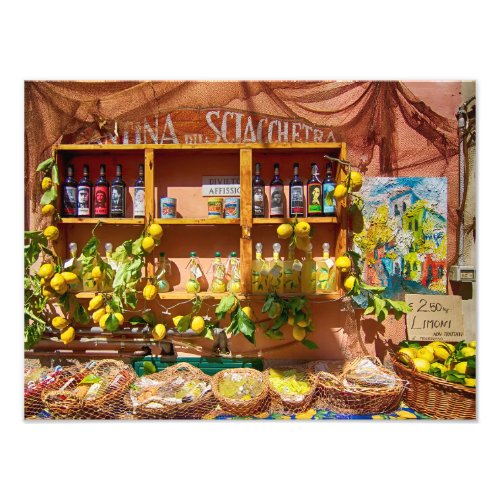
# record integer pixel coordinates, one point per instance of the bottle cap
(70, 170)
(233, 254)
(217, 254)
(258, 247)
(326, 247)
(108, 247)
(72, 247)
(192, 254)
(85, 169)
(118, 169)
(162, 254)
(276, 247)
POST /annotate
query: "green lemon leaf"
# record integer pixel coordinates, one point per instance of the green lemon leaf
(137, 320)
(90, 248)
(225, 304)
(131, 300)
(49, 196)
(55, 176)
(274, 334)
(136, 247)
(112, 323)
(184, 323)
(149, 368)
(81, 314)
(90, 379)
(45, 165)
(246, 326)
(309, 344)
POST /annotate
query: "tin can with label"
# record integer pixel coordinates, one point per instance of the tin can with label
(232, 208)
(168, 208)
(215, 207)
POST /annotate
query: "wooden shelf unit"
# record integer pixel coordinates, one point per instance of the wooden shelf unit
(247, 156)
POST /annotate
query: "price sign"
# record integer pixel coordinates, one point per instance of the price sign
(435, 317)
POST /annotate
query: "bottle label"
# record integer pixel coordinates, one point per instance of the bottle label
(296, 200)
(329, 202)
(69, 200)
(314, 203)
(117, 201)
(84, 200)
(258, 201)
(277, 198)
(101, 200)
(139, 194)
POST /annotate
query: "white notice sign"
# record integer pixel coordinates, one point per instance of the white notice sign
(221, 185)
(435, 317)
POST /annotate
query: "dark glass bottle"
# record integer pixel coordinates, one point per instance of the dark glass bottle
(69, 191)
(258, 194)
(84, 194)
(277, 194)
(139, 194)
(296, 197)
(314, 193)
(118, 192)
(101, 194)
(329, 202)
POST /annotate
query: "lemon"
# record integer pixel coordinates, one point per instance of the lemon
(48, 292)
(62, 289)
(96, 273)
(284, 231)
(120, 318)
(425, 354)
(299, 333)
(149, 292)
(46, 183)
(48, 209)
(177, 319)
(51, 233)
(96, 302)
(275, 311)
(197, 324)
(470, 382)
(472, 344)
(218, 286)
(156, 231)
(355, 180)
(97, 315)
(291, 320)
(302, 229)
(108, 309)
(57, 282)
(68, 335)
(46, 271)
(235, 287)
(59, 322)
(302, 243)
(192, 286)
(429, 348)
(340, 192)
(409, 352)
(461, 367)
(349, 282)
(69, 277)
(103, 319)
(343, 263)
(441, 353)
(440, 367)
(159, 331)
(248, 311)
(148, 244)
(451, 347)
(468, 351)
(422, 365)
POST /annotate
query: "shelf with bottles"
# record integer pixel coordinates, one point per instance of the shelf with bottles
(310, 220)
(139, 221)
(198, 222)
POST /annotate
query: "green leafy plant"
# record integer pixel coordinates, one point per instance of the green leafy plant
(239, 321)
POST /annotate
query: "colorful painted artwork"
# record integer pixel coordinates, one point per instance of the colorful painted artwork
(403, 243)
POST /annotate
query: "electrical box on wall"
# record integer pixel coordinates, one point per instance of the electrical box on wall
(462, 273)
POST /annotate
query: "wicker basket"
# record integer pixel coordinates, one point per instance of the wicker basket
(193, 410)
(279, 404)
(240, 407)
(433, 396)
(336, 392)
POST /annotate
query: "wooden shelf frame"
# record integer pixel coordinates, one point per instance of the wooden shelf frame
(335, 149)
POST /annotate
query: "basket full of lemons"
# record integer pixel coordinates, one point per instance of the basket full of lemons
(441, 376)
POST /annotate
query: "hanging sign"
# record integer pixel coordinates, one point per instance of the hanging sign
(435, 317)
(221, 185)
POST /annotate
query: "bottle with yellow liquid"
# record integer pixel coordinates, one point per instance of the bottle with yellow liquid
(195, 273)
(75, 266)
(291, 273)
(259, 272)
(325, 274)
(308, 273)
(107, 285)
(275, 277)
(162, 273)
(218, 284)
(234, 283)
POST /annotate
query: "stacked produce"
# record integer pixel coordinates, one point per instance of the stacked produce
(241, 386)
(443, 360)
(291, 384)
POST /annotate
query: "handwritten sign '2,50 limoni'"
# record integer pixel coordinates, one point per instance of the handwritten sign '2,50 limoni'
(435, 317)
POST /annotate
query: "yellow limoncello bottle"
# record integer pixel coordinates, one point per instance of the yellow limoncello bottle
(259, 271)
(218, 284)
(75, 266)
(107, 285)
(325, 274)
(162, 273)
(308, 273)
(291, 273)
(275, 276)
(234, 283)
(195, 273)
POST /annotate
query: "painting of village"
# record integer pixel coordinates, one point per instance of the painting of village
(402, 240)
